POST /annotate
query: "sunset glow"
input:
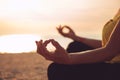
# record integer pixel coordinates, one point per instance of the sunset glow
(41, 17)
(18, 43)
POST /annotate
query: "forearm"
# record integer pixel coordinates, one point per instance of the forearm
(110, 50)
(91, 56)
(91, 42)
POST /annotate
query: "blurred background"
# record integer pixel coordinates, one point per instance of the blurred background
(22, 22)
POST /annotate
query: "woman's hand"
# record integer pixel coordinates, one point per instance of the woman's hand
(70, 33)
(59, 55)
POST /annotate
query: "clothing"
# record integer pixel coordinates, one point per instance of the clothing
(78, 47)
(95, 71)
(74, 72)
(108, 28)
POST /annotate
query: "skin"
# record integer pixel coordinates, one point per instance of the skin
(110, 50)
(71, 34)
(117, 13)
(100, 54)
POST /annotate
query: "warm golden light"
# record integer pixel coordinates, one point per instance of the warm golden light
(18, 43)
(85, 17)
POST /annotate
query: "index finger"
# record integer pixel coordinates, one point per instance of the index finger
(55, 44)
(67, 27)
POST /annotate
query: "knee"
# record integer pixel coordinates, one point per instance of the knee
(54, 68)
(55, 71)
(52, 71)
(51, 67)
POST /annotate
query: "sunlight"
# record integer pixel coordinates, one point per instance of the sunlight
(27, 9)
(23, 8)
(43, 16)
(18, 43)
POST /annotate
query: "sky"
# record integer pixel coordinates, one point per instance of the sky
(41, 17)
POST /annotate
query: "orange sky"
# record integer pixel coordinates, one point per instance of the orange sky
(42, 16)
(31, 17)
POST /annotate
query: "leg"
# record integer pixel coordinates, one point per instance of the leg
(96, 71)
(78, 47)
(56, 71)
(77, 72)
(113, 72)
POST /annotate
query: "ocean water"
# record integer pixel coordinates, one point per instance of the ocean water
(23, 44)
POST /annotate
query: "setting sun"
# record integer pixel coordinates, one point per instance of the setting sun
(41, 17)
(18, 43)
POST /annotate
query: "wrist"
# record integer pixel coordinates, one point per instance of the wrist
(77, 38)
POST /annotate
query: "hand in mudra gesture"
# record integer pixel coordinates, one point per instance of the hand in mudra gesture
(69, 34)
(59, 55)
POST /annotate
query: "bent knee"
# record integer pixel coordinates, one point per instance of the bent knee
(53, 67)
(54, 71)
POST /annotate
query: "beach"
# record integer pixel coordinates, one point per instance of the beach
(24, 66)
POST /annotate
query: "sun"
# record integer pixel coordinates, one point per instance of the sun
(18, 43)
